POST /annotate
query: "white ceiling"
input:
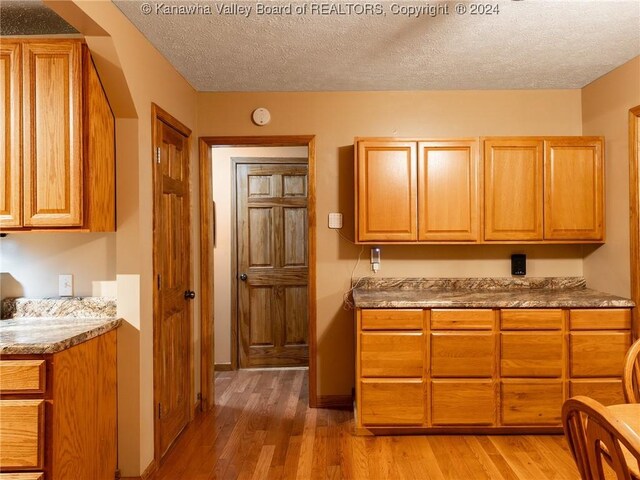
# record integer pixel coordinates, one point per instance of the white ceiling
(528, 44)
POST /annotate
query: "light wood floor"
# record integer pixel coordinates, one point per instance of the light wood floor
(262, 429)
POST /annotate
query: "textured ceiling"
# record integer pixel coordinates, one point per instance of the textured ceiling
(31, 18)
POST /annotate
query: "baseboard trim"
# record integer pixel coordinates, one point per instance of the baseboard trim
(335, 401)
(147, 474)
(222, 367)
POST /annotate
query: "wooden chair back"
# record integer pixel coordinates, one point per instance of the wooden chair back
(631, 374)
(592, 432)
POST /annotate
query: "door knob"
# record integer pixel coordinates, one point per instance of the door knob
(189, 295)
(243, 277)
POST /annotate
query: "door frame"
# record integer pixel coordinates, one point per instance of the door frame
(235, 320)
(206, 251)
(634, 211)
(160, 115)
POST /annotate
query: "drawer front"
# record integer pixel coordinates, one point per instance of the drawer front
(531, 402)
(23, 376)
(531, 319)
(391, 319)
(22, 476)
(531, 354)
(462, 354)
(600, 319)
(392, 402)
(21, 434)
(399, 354)
(463, 402)
(605, 391)
(462, 319)
(597, 354)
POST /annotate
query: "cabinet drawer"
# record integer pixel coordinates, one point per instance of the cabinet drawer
(463, 402)
(392, 319)
(531, 319)
(605, 391)
(462, 354)
(462, 319)
(597, 354)
(21, 434)
(24, 376)
(22, 476)
(600, 319)
(531, 354)
(392, 402)
(531, 402)
(398, 354)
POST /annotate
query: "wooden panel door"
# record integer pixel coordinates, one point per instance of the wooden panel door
(10, 160)
(22, 434)
(463, 402)
(272, 264)
(392, 401)
(386, 191)
(531, 402)
(391, 354)
(447, 186)
(463, 354)
(574, 189)
(513, 189)
(52, 139)
(172, 312)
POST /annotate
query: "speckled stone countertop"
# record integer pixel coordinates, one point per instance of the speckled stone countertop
(557, 292)
(50, 325)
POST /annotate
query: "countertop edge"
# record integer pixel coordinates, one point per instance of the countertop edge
(491, 304)
(50, 348)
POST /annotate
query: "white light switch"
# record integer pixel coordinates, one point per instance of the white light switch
(335, 220)
(65, 285)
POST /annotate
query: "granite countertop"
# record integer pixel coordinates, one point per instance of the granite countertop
(557, 292)
(50, 335)
(50, 325)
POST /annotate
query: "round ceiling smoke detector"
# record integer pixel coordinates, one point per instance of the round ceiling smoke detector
(261, 116)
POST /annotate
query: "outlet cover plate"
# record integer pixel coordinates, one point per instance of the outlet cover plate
(65, 285)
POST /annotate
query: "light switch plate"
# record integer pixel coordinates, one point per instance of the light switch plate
(335, 220)
(65, 285)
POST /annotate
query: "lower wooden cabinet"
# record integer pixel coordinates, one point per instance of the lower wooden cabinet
(392, 402)
(485, 370)
(531, 402)
(58, 413)
(463, 402)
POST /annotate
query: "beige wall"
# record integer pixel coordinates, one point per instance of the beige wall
(335, 118)
(605, 111)
(222, 253)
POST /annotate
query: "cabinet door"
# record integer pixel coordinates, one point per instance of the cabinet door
(513, 189)
(22, 434)
(11, 181)
(392, 402)
(52, 139)
(447, 186)
(531, 402)
(607, 391)
(462, 354)
(531, 354)
(463, 402)
(386, 183)
(573, 186)
(391, 354)
(597, 354)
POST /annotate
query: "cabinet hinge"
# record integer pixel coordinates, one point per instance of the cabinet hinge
(159, 410)
(158, 282)
(157, 154)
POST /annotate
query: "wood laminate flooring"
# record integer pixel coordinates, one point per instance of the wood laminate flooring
(262, 428)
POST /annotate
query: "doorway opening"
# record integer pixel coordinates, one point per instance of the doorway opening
(277, 176)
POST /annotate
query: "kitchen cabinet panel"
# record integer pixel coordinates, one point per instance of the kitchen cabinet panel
(463, 402)
(607, 391)
(531, 402)
(392, 354)
(387, 191)
(447, 191)
(462, 354)
(531, 354)
(462, 319)
(598, 354)
(531, 319)
(600, 319)
(392, 402)
(22, 434)
(392, 319)
(513, 189)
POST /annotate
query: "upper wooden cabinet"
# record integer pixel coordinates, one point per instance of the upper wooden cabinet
(387, 189)
(573, 189)
(64, 176)
(416, 191)
(447, 186)
(513, 189)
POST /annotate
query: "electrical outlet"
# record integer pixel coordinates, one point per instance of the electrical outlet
(65, 285)
(335, 220)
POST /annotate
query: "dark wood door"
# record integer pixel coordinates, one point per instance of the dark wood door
(272, 265)
(172, 315)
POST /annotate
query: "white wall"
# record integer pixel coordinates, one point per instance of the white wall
(222, 195)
